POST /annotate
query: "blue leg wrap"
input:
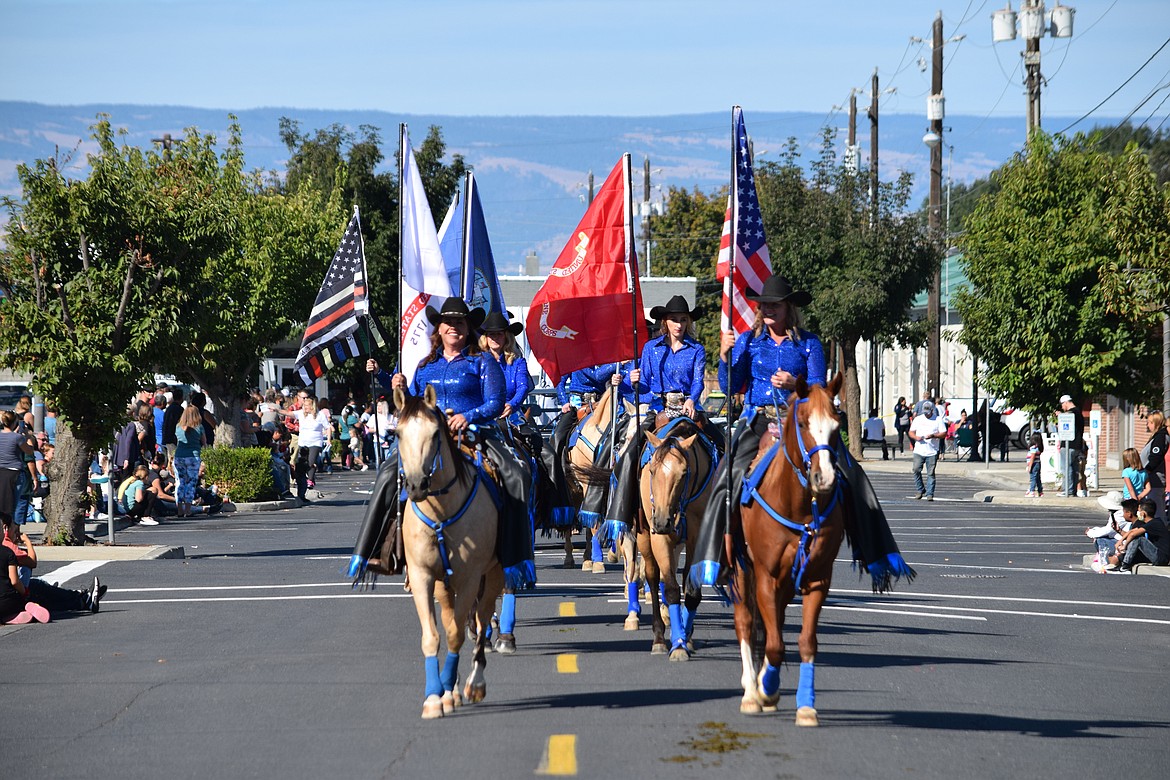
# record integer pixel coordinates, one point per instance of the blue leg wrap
(508, 614)
(770, 680)
(597, 554)
(662, 592)
(434, 686)
(677, 638)
(357, 564)
(450, 671)
(688, 619)
(806, 691)
(487, 632)
(633, 604)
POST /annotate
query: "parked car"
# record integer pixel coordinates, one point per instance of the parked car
(10, 394)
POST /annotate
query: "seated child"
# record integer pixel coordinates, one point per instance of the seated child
(1105, 536)
(1148, 540)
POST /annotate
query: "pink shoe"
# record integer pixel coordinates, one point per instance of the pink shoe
(39, 613)
(21, 619)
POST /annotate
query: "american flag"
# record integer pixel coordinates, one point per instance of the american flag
(333, 332)
(753, 264)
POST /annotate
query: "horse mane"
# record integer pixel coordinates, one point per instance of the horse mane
(681, 430)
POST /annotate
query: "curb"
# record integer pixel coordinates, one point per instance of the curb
(105, 552)
(1138, 568)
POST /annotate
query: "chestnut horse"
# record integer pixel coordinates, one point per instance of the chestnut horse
(674, 487)
(791, 530)
(449, 535)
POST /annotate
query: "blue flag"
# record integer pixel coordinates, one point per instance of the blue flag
(451, 242)
(481, 285)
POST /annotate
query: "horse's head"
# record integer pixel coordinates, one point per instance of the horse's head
(817, 430)
(668, 480)
(421, 429)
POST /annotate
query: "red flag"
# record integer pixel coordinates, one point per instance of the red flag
(582, 315)
(753, 264)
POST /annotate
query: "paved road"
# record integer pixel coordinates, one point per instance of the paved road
(252, 658)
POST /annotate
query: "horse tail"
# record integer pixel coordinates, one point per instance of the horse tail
(591, 475)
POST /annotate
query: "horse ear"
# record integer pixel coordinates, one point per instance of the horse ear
(430, 398)
(688, 441)
(801, 387)
(399, 398)
(654, 440)
(835, 384)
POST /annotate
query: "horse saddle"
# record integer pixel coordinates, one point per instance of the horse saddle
(588, 400)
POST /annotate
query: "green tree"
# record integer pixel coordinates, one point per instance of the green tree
(1055, 262)
(863, 269)
(97, 270)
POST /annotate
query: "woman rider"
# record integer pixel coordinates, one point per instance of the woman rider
(470, 388)
(672, 364)
(765, 364)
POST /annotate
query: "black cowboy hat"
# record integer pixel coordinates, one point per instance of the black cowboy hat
(778, 290)
(456, 307)
(495, 321)
(676, 305)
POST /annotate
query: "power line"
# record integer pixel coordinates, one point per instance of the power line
(1165, 43)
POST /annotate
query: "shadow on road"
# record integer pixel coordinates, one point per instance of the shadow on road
(1111, 728)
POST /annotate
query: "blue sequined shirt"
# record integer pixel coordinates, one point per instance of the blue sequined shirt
(594, 380)
(755, 359)
(517, 382)
(665, 370)
(470, 385)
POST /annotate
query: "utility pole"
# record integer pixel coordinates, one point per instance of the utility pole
(1033, 24)
(934, 340)
(1032, 70)
(851, 166)
(590, 188)
(166, 142)
(872, 112)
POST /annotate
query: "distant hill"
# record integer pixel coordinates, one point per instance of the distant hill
(531, 169)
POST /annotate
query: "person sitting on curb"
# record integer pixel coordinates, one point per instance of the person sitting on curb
(1105, 536)
(1147, 541)
(48, 595)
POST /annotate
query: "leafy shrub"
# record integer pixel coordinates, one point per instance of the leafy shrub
(242, 474)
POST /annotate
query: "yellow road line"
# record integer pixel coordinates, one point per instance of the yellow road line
(567, 663)
(568, 609)
(560, 756)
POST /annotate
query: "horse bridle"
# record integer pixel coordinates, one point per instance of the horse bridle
(805, 453)
(436, 460)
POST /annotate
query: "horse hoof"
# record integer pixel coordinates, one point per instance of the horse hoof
(569, 564)
(766, 708)
(631, 623)
(680, 654)
(474, 694)
(587, 565)
(659, 648)
(432, 708)
(598, 567)
(448, 703)
(506, 644)
(690, 646)
(611, 557)
(749, 707)
(807, 716)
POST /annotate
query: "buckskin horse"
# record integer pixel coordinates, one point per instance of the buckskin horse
(449, 535)
(791, 529)
(674, 486)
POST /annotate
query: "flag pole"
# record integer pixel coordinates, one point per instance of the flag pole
(466, 248)
(732, 250)
(631, 280)
(366, 319)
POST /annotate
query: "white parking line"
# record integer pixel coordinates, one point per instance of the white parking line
(260, 598)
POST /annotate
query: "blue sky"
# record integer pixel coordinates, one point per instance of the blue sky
(566, 57)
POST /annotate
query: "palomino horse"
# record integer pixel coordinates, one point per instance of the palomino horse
(449, 536)
(675, 485)
(791, 530)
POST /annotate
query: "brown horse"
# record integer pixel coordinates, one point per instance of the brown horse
(449, 535)
(674, 486)
(791, 531)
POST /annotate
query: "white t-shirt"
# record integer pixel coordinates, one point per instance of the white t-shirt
(924, 426)
(313, 429)
(874, 429)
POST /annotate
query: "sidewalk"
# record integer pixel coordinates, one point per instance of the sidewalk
(1007, 483)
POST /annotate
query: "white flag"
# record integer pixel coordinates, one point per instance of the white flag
(424, 276)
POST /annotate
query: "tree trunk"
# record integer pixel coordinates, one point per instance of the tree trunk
(227, 408)
(852, 394)
(66, 506)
